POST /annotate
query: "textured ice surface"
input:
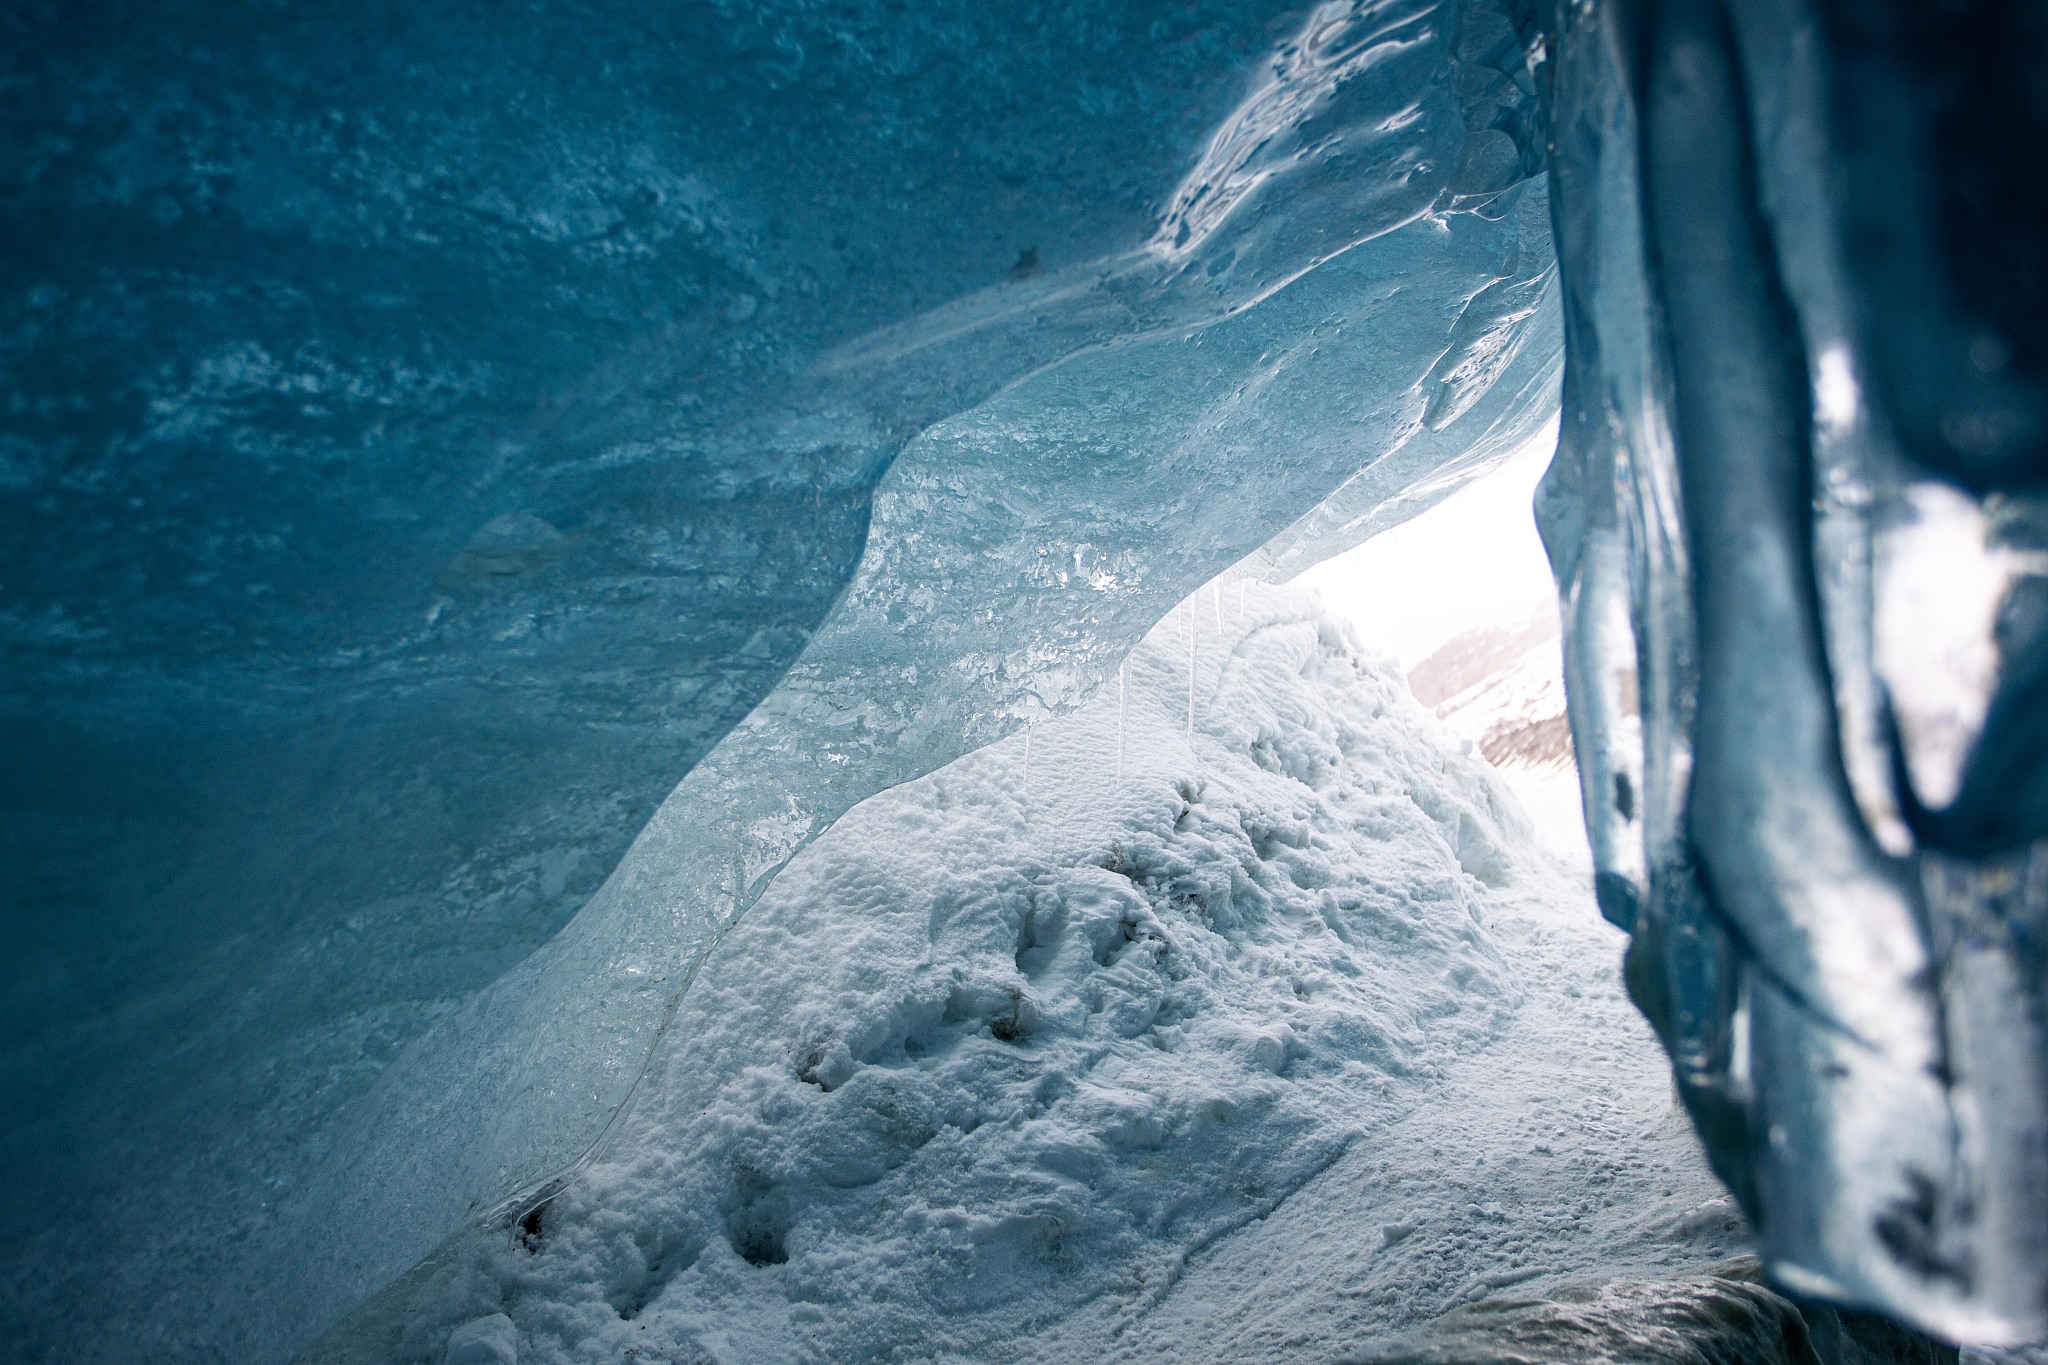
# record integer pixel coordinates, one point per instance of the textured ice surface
(428, 433)
(1824, 836)
(1288, 1037)
(1724, 1314)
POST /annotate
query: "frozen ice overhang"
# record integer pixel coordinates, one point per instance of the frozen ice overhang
(1796, 515)
(409, 477)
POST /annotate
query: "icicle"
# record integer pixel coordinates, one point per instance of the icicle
(1027, 761)
(1191, 674)
(1120, 698)
(1216, 596)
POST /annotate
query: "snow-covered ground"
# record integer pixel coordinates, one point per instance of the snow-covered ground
(1241, 1015)
(1556, 1156)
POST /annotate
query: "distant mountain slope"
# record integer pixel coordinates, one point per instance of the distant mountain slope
(1502, 689)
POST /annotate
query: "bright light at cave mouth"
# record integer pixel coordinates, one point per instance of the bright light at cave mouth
(1462, 597)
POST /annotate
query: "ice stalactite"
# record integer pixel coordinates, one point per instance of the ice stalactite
(1818, 835)
(1122, 694)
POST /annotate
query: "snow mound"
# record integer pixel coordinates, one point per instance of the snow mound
(1030, 1031)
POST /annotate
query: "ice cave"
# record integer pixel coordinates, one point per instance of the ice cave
(740, 682)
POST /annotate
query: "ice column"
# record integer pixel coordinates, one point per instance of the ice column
(1827, 858)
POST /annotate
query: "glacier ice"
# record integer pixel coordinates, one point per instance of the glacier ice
(1823, 834)
(976, 528)
(479, 500)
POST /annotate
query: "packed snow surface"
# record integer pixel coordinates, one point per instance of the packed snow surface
(1462, 595)
(1237, 1015)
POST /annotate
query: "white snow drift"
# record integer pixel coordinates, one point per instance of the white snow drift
(1016, 1051)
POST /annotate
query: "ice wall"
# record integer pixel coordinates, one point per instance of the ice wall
(429, 433)
(1797, 522)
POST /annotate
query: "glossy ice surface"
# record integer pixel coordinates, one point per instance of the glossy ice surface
(1824, 831)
